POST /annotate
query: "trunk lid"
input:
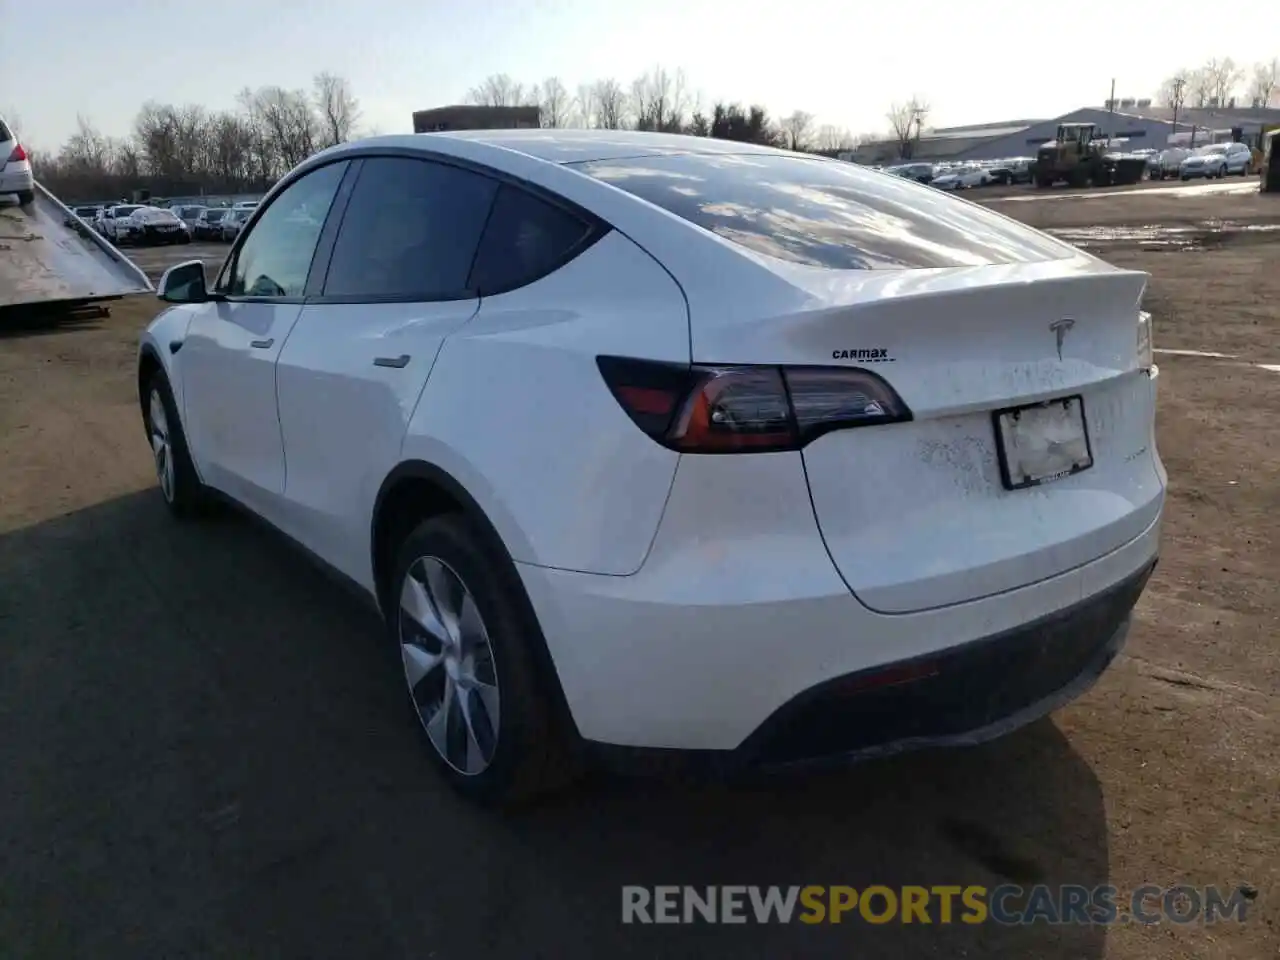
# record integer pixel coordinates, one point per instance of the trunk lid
(917, 515)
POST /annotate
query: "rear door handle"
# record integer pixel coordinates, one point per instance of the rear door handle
(262, 344)
(397, 362)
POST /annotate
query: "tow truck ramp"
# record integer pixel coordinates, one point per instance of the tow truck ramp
(49, 258)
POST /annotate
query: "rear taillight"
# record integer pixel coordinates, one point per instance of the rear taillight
(18, 154)
(1145, 352)
(747, 409)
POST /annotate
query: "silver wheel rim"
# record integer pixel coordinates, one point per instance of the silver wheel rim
(448, 665)
(161, 448)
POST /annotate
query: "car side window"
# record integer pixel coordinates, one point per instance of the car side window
(275, 256)
(410, 231)
(526, 238)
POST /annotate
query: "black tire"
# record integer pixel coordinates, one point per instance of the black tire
(26, 197)
(185, 495)
(532, 754)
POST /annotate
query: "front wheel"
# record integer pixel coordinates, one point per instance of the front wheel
(467, 645)
(180, 485)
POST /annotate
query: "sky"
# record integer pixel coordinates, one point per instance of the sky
(843, 62)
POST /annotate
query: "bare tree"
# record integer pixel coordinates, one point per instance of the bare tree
(831, 139)
(797, 127)
(659, 100)
(1173, 94)
(1199, 88)
(1263, 82)
(906, 120)
(1173, 91)
(338, 108)
(289, 125)
(554, 103)
(498, 90)
(1223, 76)
(584, 106)
(611, 104)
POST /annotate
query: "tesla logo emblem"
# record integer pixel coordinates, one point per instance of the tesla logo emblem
(1060, 328)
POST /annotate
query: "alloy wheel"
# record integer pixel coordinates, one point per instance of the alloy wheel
(161, 444)
(449, 666)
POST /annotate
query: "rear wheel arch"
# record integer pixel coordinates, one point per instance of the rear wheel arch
(417, 490)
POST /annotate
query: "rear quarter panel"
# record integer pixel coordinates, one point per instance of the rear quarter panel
(517, 412)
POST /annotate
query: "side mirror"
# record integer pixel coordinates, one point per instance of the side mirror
(183, 283)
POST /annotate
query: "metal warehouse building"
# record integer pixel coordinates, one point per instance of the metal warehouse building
(1143, 126)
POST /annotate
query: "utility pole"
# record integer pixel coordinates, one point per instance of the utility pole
(1111, 109)
(1177, 88)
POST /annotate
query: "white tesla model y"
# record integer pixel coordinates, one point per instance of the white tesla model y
(654, 445)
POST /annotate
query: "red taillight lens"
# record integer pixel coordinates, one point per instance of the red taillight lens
(18, 154)
(747, 409)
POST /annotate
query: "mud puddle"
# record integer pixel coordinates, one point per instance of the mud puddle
(1208, 234)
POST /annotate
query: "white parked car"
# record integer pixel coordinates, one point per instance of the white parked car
(16, 177)
(1217, 160)
(962, 178)
(637, 445)
(139, 224)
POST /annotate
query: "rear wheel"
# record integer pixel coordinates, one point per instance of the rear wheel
(26, 197)
(466, 644)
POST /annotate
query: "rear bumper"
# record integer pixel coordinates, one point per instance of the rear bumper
(715, 639)
(16, 181)
(965, 695)
(962, 696)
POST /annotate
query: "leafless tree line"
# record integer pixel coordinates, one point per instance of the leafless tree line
(176, 150)
(1222, 80)
(659, 100)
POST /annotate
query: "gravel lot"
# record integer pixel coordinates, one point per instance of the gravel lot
(205, 752)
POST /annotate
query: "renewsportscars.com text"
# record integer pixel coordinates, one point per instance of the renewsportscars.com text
(943, 904)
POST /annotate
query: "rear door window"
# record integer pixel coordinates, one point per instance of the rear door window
(825, 213)
(526, 238)
(410, 231)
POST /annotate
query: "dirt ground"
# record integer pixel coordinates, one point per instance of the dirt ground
(205, 753)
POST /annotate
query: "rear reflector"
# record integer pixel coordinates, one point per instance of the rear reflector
(747, 409)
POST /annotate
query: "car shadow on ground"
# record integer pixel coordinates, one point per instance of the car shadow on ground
(20, 322)
(206, 754)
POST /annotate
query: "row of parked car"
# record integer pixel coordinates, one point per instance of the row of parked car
(965, 176)
(142, 224)
(1212, 161)
(1209, 161)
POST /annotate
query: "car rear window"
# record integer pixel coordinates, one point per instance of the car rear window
(826, 213)
(5, 134)
(213, 216)
(524, 239)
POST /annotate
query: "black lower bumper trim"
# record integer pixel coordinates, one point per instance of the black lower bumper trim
(959, 695)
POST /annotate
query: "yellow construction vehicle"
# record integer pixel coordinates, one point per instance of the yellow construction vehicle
(1269, 165)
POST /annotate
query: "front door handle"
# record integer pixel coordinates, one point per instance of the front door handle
(262, 344)
(397, 362)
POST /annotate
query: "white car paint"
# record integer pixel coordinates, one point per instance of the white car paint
(962, 178)
(684, 598)
(15, 168)
(1217, 160)
(126, 222)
